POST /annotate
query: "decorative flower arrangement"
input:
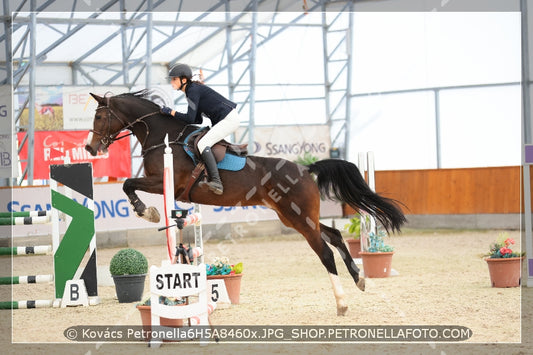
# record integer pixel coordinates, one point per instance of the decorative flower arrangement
(168, 301)
(354, 227)
(376, 242)
(502, 248)
(221, 266)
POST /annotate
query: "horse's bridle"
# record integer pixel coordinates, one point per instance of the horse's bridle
(108, 138)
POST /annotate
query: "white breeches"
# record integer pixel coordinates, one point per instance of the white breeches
(219, 131)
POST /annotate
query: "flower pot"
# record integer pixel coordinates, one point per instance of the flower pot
(354, 246)
(129, 288)
(233, 285)
(146, 319)
(376, 265)
(505, 272)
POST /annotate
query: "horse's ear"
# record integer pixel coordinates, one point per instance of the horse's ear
(101, 100)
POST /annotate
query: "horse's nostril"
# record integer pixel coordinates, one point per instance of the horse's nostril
(90, 150)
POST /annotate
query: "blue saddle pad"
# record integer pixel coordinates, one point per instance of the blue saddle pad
(230, 162)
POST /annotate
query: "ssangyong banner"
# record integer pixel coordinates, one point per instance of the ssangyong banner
(58, 147)
(290, 142)
(113, 212)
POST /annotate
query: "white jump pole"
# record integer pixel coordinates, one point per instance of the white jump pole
(371, 183)
(527, 162)
(198, 239)
(168, 191)
(191, 219)
(365, 163)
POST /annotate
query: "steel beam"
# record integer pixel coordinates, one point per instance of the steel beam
(527, 138)
(337, 74)
(141, 18)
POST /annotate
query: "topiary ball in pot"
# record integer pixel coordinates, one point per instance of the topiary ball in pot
(128, 268)
(128, 262)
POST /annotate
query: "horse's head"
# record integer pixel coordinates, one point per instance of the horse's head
(128, 111)
(106, 126)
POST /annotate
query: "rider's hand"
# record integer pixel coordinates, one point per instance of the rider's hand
(166, 110)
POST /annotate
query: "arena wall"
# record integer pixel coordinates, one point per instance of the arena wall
(471, 198)
(478, 198)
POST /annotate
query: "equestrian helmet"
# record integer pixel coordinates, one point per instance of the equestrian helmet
(180, 71)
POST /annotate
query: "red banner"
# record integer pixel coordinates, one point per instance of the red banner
(52, 147)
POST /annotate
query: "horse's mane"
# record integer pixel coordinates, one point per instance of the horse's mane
(141, 96)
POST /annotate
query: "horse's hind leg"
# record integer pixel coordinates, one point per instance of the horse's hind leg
(148, 184)
(311, 231)
(328, 260)
(334, 237)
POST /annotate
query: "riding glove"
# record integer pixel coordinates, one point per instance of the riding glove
(166, 110)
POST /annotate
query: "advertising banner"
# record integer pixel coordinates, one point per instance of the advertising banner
(112, 210)
(290, 142)
(48, 109)
(58, 147)
(79, 106)
(7, 145)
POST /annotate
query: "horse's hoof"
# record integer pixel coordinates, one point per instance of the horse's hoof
(361, 284)
(341, 310)
(151, 215)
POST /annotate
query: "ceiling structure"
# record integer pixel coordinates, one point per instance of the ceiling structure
(133, 44)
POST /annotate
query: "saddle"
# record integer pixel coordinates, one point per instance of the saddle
(219, 151)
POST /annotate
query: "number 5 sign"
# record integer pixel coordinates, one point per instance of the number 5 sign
(218, 292)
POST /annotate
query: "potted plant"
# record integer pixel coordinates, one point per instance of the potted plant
(505, 265)
(354, 242)
(231, 274)
(306, 159)
(145, 311)
(377, 256)
(128, 268)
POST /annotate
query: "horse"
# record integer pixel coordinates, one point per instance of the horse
(292, 190)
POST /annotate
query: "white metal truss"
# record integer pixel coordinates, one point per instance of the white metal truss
(136, 44)
(337, 47)
(136, 28)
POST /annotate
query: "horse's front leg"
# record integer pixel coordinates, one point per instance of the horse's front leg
(151, 184)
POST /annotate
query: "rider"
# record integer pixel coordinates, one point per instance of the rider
(204, 100)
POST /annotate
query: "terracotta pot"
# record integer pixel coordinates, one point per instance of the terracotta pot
(146, 319)
(505, 272)
(376, 265)
(354, 246)
(233, 285)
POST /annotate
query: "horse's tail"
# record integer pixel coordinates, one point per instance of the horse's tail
(343, 179)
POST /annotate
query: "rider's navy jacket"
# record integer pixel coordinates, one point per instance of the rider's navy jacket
(204, 100)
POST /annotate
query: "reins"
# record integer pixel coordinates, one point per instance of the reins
(108, 138)
(175, 141)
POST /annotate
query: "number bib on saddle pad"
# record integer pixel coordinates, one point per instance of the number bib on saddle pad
(230, 161)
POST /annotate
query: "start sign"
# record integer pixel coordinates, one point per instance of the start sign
(177, 280)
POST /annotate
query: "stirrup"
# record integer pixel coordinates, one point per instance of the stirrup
(214, 186)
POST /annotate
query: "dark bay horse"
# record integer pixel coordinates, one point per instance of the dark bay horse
(283, 186)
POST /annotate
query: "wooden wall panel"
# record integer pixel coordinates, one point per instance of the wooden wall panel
(453, 191)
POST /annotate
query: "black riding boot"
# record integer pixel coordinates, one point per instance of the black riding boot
(214, 183)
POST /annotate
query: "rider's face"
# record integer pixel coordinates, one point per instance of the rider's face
(178, 84)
